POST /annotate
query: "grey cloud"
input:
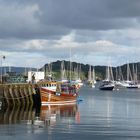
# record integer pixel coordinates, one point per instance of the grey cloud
(55, 18)
(20, 20)
(90, 14)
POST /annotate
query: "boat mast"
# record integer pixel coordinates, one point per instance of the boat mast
(89, 73)
(70, 64)
(63, 73)
(129, 75)
(93, 75)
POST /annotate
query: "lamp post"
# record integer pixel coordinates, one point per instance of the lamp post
(2, 58)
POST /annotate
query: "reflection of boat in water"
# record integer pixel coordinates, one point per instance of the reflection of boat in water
(40, 116)
(51, 113)
(61, 93)
(33, 120)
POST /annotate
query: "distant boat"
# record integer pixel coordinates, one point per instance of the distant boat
(131, 78)
(76, 78)
(132, 85)
(91, 78)
(108, 83)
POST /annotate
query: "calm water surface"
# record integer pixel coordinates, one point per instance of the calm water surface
(102, 115)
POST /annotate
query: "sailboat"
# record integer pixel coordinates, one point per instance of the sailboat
(91, 77)
(108, 83)
(131, 78)
(119, 78)
(77, 79)
(48, 72)
(63, 73)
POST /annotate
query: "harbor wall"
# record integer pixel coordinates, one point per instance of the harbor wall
(18, 95)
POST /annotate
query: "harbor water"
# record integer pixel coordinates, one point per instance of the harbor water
(102, 115)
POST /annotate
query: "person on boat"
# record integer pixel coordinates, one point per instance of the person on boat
(58, 90)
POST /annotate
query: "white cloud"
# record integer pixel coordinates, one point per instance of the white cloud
(37, 52)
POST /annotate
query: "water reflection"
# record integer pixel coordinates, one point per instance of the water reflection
(35, 120)
(102, 115)
(52, 114)
(115, 114)
(16, 114)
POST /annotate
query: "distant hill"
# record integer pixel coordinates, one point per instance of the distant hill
(99, 70)
(56, 67)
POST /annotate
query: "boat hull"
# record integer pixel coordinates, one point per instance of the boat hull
(132, 87)
(107, 88)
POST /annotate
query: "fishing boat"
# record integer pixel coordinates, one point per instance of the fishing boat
(56, 93)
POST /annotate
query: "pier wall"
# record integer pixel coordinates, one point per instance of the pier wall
(17, 95)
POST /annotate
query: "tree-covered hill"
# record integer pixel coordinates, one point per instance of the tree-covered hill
(100, 71)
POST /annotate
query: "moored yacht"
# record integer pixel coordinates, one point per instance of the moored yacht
(107, 85)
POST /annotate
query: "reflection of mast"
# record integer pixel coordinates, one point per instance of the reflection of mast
(109, 110)
(77, 117)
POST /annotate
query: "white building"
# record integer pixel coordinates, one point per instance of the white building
(35, 76)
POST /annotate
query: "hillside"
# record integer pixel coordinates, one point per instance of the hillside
(99, 70)
(55, 67)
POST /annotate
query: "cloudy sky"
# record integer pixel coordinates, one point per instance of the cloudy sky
(35, 32)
